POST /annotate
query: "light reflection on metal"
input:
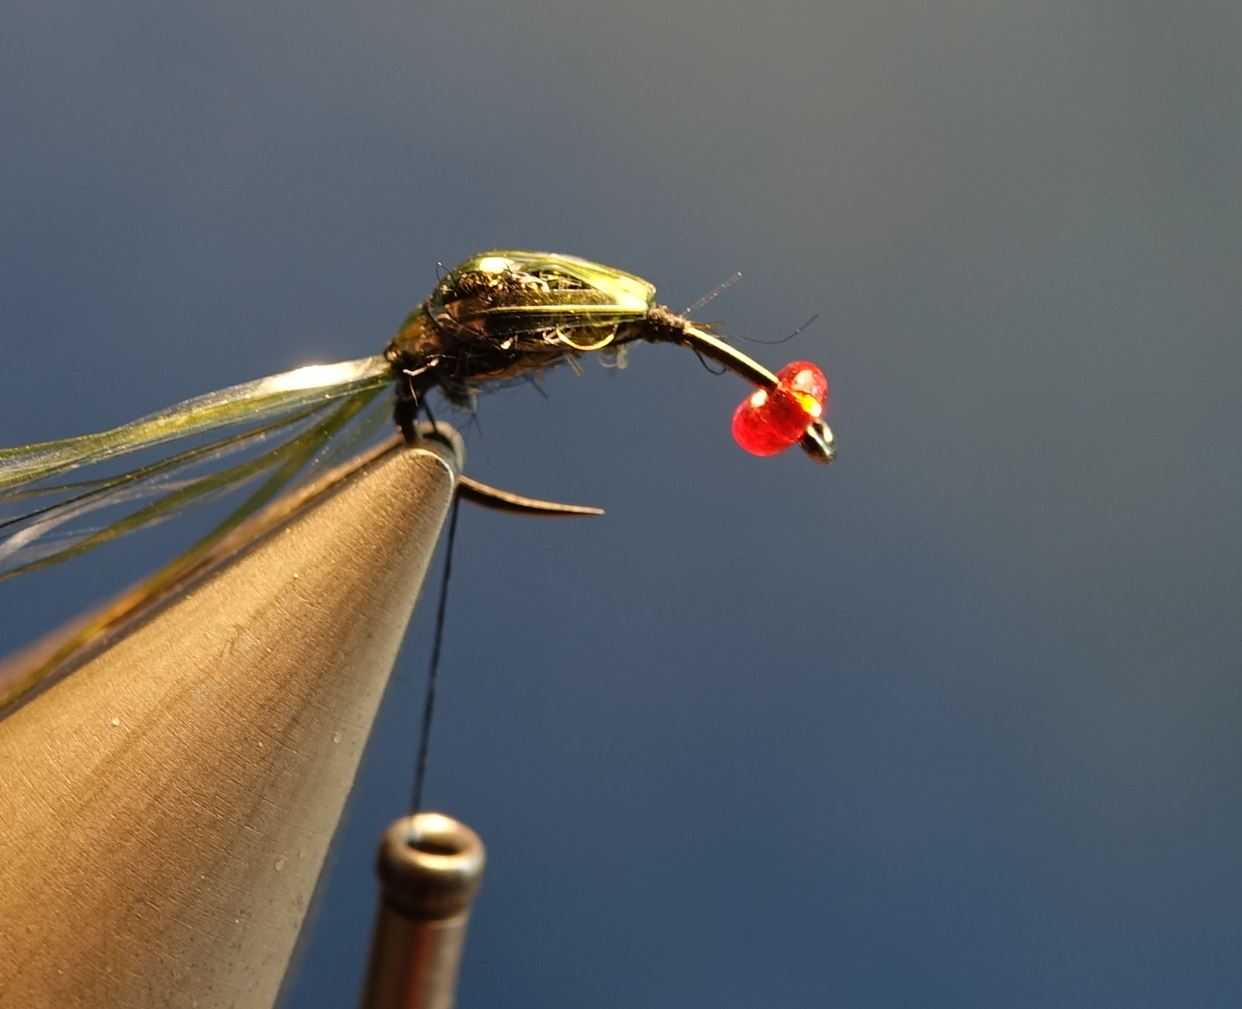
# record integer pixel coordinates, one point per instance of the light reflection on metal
(430, 868)
(167, 806)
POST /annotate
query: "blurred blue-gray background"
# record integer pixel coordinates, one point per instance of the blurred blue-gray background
(954, 722)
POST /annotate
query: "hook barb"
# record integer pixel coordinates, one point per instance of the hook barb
(488, 496)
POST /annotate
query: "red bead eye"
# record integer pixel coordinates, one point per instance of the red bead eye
(768, 421)
(805, 381)
(753, 426)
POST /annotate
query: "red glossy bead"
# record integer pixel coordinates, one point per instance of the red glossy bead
(807, 382)
(753, 429)
(770, 420)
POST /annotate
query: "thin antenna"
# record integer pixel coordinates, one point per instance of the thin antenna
(433, 677)
(784, 339)
(714, 293)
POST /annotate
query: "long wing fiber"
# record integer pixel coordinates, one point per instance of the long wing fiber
(250, 401)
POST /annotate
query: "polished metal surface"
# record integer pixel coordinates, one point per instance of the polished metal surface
(165, 808)
(430, 868)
